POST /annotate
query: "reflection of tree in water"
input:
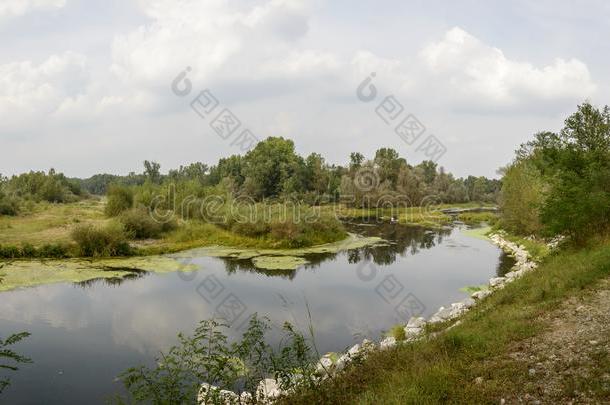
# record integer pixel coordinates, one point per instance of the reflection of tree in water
(505, 264)
(113, 281)
(232, 265)
(402, 239)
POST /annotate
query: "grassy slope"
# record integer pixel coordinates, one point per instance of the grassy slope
(49, 223)
(444, 369)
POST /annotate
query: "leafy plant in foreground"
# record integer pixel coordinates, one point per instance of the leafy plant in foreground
(7, 354)
(208, 357)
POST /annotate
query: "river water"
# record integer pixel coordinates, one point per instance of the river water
(84, 335)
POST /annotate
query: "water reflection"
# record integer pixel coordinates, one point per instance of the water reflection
(95, 331)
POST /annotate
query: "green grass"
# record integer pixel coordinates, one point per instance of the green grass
(443, 370)
(429, 216)
(49, 223)
(538, 249)
(397, 332)
(475, 218)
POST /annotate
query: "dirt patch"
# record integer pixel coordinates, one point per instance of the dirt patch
(569, 363)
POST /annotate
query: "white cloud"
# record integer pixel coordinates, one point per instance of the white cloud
(29, 90)
(212, 37)
(17, 8)
(468, 68)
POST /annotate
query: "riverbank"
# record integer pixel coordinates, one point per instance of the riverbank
(45, 231)
(430, 216)
(474, 361)
(29, 273)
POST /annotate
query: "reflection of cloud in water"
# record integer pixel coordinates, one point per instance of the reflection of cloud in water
(50, 304)
(142, 317)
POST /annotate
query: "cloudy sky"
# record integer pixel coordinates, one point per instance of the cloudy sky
(86, 85)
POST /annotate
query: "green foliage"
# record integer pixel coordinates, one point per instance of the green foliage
(574, 167)
(111, 240)
(273, 168)
(443, 369)
(398, 332)
(152, 171)
(139, 223)
(120, 198)
(9, 205)
(40, 186)
(521, 198)
(10, 356)
(56, 251)
(208, 356)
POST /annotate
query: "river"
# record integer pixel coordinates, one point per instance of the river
(84, 335)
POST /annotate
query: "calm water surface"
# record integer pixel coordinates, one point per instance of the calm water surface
(84, 335)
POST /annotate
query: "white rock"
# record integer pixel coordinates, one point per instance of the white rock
(416, 322)
(468, 303)
(267, 389)
(497, 282)
(412, 333)
(354, 350)
(209, 394)
(479, 295)
(324, 365)
(246, 398)
(387, 343)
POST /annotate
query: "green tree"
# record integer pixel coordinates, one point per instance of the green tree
(273, 168)
(120, 198)
(152, 170)
(521, 198)
(388, 164)
(577, 162)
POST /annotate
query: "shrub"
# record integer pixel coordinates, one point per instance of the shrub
(110, 240)
(398, 332)
(138, 222)
(53, 250)
(120, 198)
(10, 252)
(27, 250)
(9, 205)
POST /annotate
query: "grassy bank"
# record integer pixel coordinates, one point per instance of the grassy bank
(429, 216)
(46, 231)
(446, 369)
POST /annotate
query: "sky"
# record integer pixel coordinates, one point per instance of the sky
(98, 86)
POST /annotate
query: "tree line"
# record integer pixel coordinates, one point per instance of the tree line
(274, 171)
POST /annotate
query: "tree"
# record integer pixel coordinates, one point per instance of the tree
(429, 170)
(578, 164)
(388, 164)
(152, 170)
(521, 198)
(355, 160)
(316, 176)
(273, 168)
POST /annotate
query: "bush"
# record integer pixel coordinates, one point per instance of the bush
(10, 252)
(110, 240)
(120, 198)
(9, 205)
(56, 251)
(139, 223)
